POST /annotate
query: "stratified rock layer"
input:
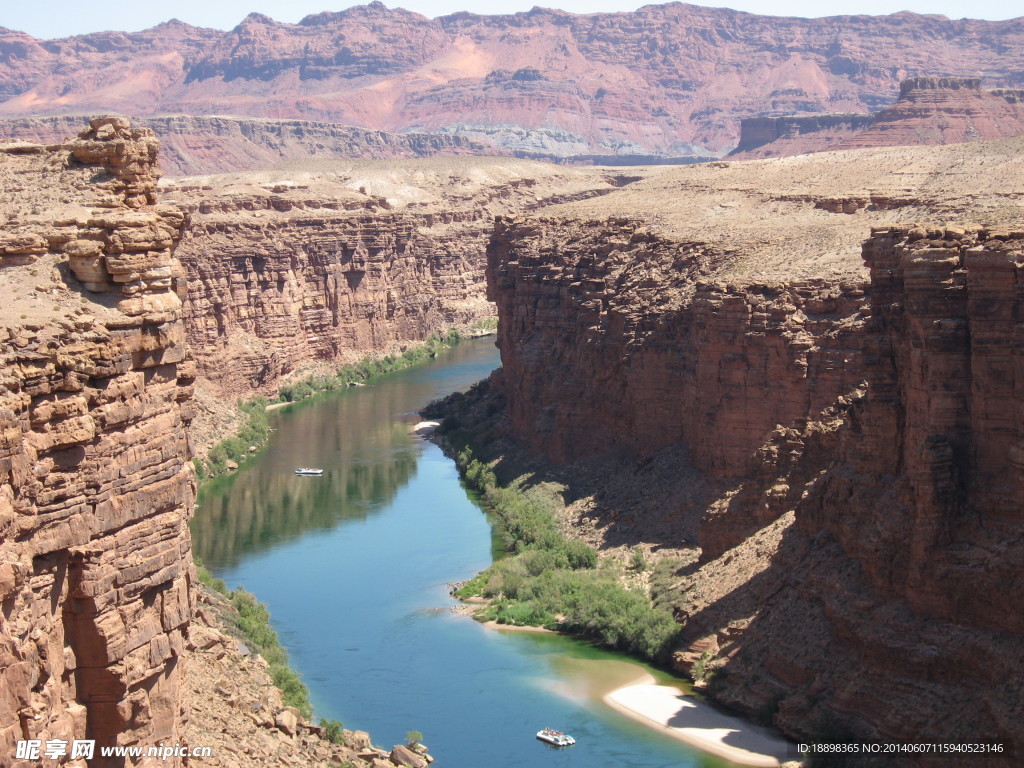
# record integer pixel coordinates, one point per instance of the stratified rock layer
(892, 604)
(330, 262)
(669, 80)
(851, 442)
(95, 483)
(199, 145)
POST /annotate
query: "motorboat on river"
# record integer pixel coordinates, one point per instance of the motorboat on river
(310, 471)
(556, 738)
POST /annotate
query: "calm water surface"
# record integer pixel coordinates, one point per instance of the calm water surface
(354, 566)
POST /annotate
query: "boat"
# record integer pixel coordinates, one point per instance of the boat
(309, 471)
(555, 738)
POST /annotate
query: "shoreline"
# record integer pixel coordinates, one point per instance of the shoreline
(515, 627)
(685, 718)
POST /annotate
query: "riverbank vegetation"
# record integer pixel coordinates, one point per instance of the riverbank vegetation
(553, 581)
(230, 453)
(251, 621)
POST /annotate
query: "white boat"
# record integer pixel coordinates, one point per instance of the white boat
(556, 738)
(309, 471)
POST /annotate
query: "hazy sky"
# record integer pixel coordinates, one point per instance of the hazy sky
(59, 18)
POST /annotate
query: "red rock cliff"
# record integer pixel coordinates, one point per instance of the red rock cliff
(892, 604)
(930, 110)
(95, 483)
(652, 353)
(851, 443)
(329, 263)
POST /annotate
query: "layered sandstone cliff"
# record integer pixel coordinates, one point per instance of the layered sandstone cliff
(203, 145)
(332, 261)
(835, 424)
(95, 484)
(670, 80)
(930, 110)
(890, 605)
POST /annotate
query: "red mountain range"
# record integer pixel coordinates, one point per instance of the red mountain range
(669, 80)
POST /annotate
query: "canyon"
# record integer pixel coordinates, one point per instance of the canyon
(775, 370)
(131, 325)
(669, 80)
(309, 264)
(818, 389)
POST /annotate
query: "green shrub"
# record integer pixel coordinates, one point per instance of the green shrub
(699, 671)
(254, 624)
(209, 580)
(551, 580)
(637, 560)
(412, 738)
(332, 730)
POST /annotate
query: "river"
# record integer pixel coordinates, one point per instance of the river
(354, 567)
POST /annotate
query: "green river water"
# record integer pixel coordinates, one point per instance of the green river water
(355, 567)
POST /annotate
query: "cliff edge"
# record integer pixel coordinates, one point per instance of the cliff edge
(95, 484)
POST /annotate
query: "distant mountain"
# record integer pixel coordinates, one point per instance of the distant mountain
(668, 80)
(930, 110)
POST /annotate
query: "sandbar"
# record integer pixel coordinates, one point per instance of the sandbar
(667, 709)
(515, 627)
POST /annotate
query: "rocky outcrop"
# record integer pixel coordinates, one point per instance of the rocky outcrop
(202, 145)
(668, 80)
(95, 483)
(795, 134)
(930, 110)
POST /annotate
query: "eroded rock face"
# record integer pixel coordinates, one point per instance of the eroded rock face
(930, 110)
(667, 80)
(653, 353)
(329, 263)
(270, 296)
(892, 604)
(95, 483)
(851, 442)
(192, 145)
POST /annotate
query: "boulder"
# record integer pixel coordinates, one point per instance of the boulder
(287, 720)
(401, 755)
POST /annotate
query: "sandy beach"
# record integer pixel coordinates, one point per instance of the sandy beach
(514, 627)
(688, 719)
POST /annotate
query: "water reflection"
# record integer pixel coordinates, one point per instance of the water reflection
(354, 568)
(360, 437)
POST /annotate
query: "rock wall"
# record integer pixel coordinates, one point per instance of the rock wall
(271, 296)
(892, 604)
(858, 448)
(943, 419)
(329, 263)
(95, 483)
(191, 145)
(653, 353)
